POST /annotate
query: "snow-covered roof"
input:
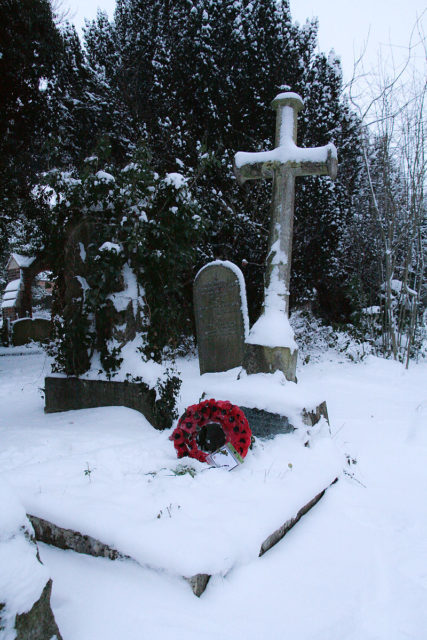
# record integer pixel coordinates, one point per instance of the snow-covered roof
(21, 261)
(13, 285)
(11, 294)
(7, 304)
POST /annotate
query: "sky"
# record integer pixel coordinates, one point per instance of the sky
(344, 25)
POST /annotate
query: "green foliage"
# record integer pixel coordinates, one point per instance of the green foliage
(183, 469)
(29, 46)
(167, 390)
(135, 229)
(198, 76)
(5, 333)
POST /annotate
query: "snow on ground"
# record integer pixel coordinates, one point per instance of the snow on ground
(22, 576)
(124, 485)
(353, 568)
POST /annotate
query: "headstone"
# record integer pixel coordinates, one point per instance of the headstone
(271, 345)
(220, 310)
(27, 329)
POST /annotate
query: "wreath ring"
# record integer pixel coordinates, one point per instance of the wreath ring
(196, 417)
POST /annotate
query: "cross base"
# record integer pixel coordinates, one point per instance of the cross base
(261, 359)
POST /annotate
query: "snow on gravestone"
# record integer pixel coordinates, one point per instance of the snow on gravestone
(221, 315)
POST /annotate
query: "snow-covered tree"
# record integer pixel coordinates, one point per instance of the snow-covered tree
(197, 78)
(29, 45)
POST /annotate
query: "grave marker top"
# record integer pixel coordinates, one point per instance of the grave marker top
(272, 329)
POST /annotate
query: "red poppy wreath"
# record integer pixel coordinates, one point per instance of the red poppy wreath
(206, 426)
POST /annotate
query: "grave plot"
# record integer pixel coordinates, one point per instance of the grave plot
(181, 516)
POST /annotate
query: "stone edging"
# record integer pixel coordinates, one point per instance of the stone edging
(56, 536)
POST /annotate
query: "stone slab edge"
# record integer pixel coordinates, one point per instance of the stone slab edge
(52, 534)
(68, 539)
(280, 533)
(56, 536)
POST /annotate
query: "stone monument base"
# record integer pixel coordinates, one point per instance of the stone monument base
(261, 359)
(272, 405)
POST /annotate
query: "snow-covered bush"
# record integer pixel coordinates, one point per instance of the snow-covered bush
(123, 245)
(314, 339)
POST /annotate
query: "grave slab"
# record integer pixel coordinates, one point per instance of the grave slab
(139, 500)
(66, 539)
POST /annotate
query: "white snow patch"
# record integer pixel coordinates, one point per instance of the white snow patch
(11, 294)
(84, 285)
(23, 261)
(13, 285)
(372, 311)
(131, 292)
(82, 252)
(177, 180)
(8, 303)
(366, 535)
(135, 501)
(272, 329)
(103, 176)
(22, 576)
(132, 166)
(289, 94)
(287, 153)
(111, 246)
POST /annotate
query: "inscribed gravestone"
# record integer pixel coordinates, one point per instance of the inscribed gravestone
(220, 310)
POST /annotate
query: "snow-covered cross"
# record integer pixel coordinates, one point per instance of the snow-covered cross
(271, 345)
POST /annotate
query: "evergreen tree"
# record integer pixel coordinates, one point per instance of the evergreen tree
(192, 81)
(197, 76)
(29, 45)
(323, 208)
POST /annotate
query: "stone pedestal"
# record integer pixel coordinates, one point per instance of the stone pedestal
(261, 359)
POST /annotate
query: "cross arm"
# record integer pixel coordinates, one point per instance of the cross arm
(254, 169)
(316, 165)
(320, 161)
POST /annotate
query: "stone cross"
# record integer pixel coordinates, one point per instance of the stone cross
(270, 345)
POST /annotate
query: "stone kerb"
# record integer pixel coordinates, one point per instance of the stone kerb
(67, 394)
(221, 316)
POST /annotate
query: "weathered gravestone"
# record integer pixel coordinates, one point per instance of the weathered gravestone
(220, 310)
(27, 329)
(270, 345)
